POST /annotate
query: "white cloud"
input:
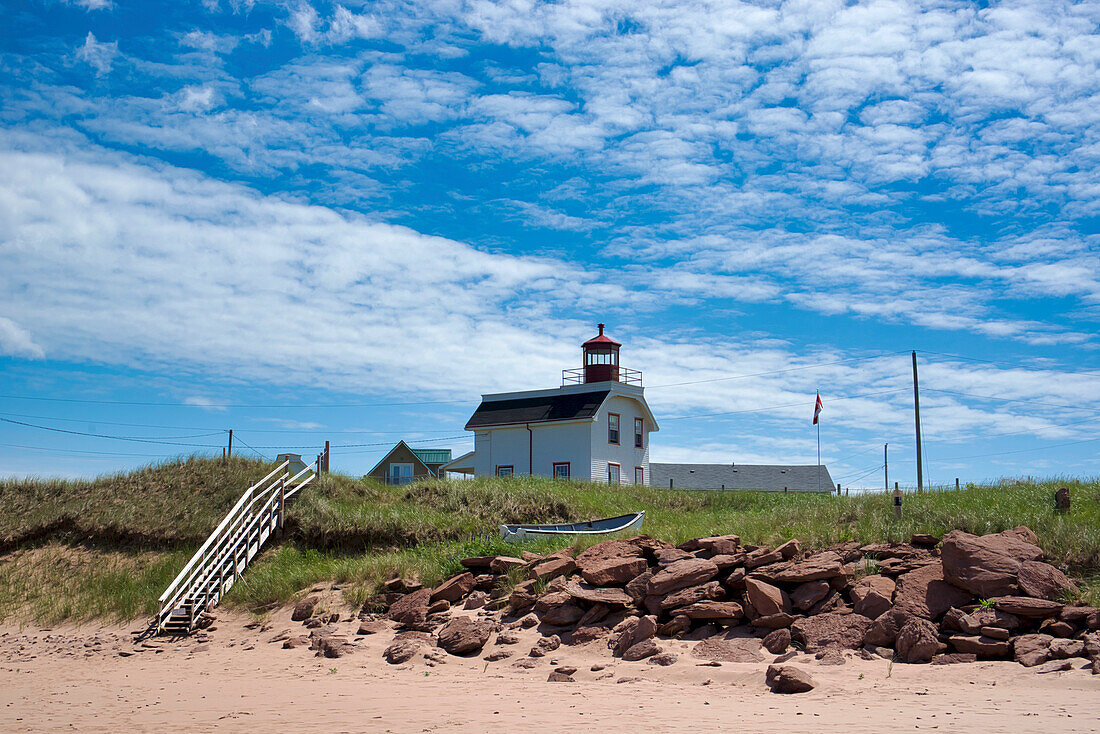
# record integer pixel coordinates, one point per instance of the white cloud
(98, 55)
(15, 341)
(90, 5)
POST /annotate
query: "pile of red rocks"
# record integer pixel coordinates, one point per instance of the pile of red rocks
(990, 598)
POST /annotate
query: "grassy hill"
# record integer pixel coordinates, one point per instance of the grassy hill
(108, 546)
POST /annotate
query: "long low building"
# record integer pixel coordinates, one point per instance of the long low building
(766, 477)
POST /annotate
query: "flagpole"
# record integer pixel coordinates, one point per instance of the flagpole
(818, 445)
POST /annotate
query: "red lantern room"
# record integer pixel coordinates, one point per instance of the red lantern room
(601, 358)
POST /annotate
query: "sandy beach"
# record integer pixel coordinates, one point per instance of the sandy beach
(96, 678)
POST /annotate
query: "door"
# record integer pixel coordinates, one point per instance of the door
(400, 473)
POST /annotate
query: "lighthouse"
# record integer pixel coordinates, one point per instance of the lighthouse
(594, 427)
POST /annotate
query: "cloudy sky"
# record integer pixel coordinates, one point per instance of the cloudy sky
(307, 220)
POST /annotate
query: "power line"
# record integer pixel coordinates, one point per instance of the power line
(1015, 365)
(234, 405)
(258, 453)
(324, 431)
(117, 438)
(1013, 400)
(1022, 451)
(786, 405)
(84, 451)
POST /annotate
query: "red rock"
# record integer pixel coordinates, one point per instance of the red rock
(727, 562)
(873, 595)
(1025, 606)
(765, 598)
(925, 593)
(762, 557)
(884, 630)
(825, 630)
(636, 587)
(478, 562)
(411, 608)
(1057, 627)
(668, 556)
(952, 658)
(612, 571)
(735, 650)
(994, 633)
(736, 579)
(718, 544)
(556, 677)
(790, 549)
(1031, 650)
(303, 610)
(587, 633)
(917, 641)
(1061, 648)
(712, 610)
(597, 595)
(632, 631)
(463, 636)
(1043, 580)
(558, 609)
(675, 627)
(988, 565)
(774, 621)
(680, 575)
(502, 564)
(924, 539)
(663, 659)
(400, 652)
(594, 614)
(824, 565)
(607, 550)
(710, 591)
(777, 641)
(991, 618)
(789, 679)
(641, 650)
(809, 593)
(983, 647)
(552, 568)
(454, 588)
(1077, 614)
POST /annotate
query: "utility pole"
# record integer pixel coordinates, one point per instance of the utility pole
(916, 414)
(886, 466)
(229, 451)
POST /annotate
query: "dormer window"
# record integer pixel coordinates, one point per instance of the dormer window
(613, 428)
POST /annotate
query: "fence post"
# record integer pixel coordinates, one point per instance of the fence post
(838, 489)
(282, 503)
(670, 482)
(956, 484)
(326, 457)
(897, 502)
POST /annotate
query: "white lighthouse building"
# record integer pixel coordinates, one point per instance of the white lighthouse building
(595, 427)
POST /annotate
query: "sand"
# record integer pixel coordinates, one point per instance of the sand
(78, 679)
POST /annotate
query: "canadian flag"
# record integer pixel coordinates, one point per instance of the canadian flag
(817, 408)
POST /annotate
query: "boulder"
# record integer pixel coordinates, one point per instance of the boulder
(632, 631)
(680, 575)
(1057, 627)
(831, 630)
(917, 641)
(552, 568)
(464, 636)
(810, 593)
(1031, 650)
(873, 595)
(719, 545)
(557, 608)
(612, 571)
(789, 679)
(723, 610)
(544, 646)
(411, 608)
(791, 549)
(303, 610)
(777, 641)
(594, 614)
(952, 658)
(736, 579)
(830, 656)
(1025, 606)
(924, 539)
(983, 647)
(400, 652)
(987, 566)
(765, 598)
(333, 647)
(481, 563)
(727, 562)
(641, 650)
(884, 630)
(636, 587)
(980, 618)
(710, 591)
(675, 627)
(454, 588)
(556, 677)
(996, 633)
(602, 552)
(774, 621)
(668, 556)
(824, 565)
(1043, 580)
(663, 659)
(1061, 648)
(734, 650)
(476, 600)
(610, 596)
(925, 593)
(503, 564)
(587, 633)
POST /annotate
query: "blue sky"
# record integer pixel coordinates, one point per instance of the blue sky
(372, 213)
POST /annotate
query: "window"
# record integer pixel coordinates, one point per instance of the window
(639, 475)
(612, 473)
(613, 428)
(504, 471)
(561, 470)
(400, 473)
(638, 433)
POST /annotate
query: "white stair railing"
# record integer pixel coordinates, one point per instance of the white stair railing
(214, 568)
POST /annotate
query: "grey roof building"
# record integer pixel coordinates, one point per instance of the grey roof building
(770, 477)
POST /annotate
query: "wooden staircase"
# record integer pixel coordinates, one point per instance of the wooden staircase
(211, 572)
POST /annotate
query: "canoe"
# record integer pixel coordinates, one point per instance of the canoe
(520, 533)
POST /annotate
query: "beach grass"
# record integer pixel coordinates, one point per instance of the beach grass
(133, 531)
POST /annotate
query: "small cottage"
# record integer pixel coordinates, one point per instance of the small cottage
(594, 427)
(404, 464)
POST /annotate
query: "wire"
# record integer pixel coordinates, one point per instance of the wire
(324, 431)
(1008, 364)
(258, 453)
(82, 451)
(234, 405)
(118, 438)
(1022, 451)
(861, 476)
(1012, 400)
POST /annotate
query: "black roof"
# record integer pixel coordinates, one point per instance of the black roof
(570, 406)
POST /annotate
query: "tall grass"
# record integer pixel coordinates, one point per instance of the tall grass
(357, 532)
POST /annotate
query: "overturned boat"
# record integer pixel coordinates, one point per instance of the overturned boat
(520, 533)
